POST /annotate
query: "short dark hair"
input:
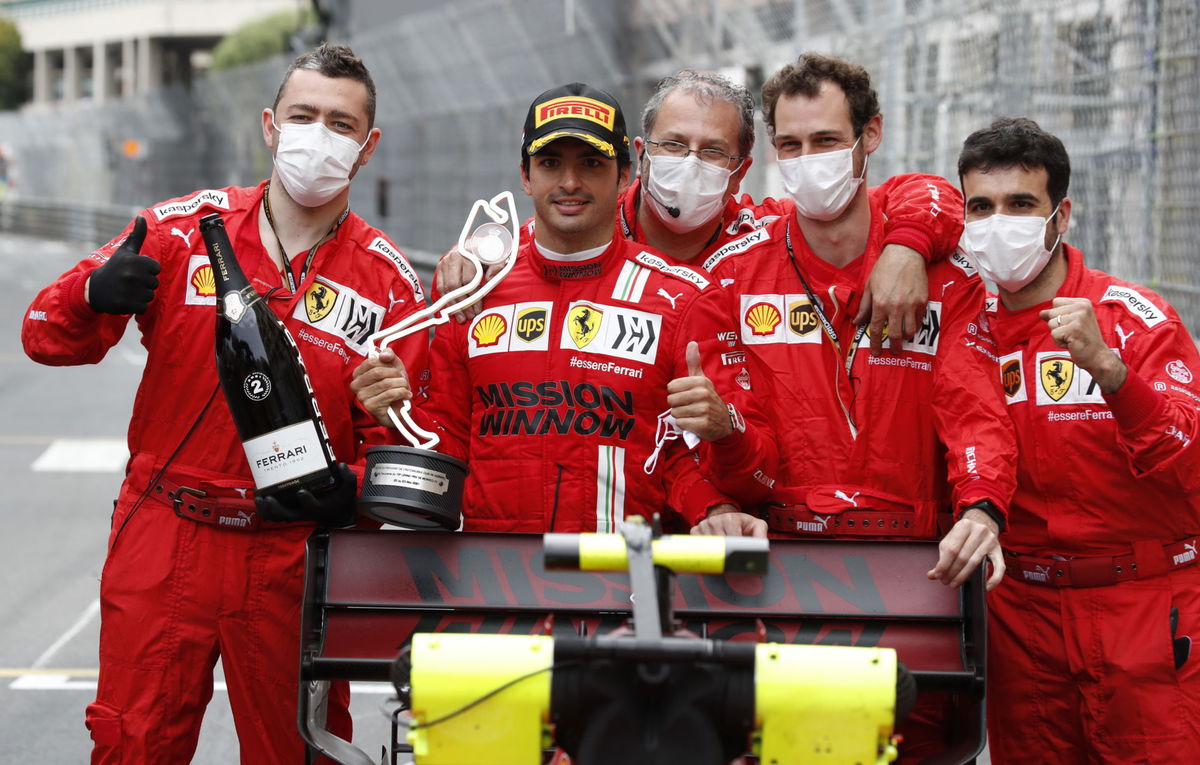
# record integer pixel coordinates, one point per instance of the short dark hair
(333, 61)
(707, 88)
(1013, 141)
(805, 76)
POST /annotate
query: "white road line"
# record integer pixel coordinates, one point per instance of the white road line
(83, 455)
(84, 619)
(51, 682)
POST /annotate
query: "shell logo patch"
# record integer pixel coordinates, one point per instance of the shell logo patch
(583, 322)
(488, 330)
(763, 318)
(204, 283)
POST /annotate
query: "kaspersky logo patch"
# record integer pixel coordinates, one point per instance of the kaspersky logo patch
(576, 107)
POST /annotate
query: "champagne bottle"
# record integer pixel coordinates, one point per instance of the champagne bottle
(262, 374)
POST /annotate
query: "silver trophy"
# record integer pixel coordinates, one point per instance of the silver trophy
(414, 486)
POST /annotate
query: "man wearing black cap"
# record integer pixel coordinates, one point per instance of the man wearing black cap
(556, 392)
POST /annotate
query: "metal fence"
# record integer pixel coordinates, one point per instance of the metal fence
(1117, 80)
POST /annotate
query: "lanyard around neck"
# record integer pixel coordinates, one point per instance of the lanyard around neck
(287, 267)
(826, 324)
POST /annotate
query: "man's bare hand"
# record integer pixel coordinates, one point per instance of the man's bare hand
(975, 537)
(1072, 322)
(728, 521)
(379, 382)
(453, 271)
(895, 297)
(695, 403)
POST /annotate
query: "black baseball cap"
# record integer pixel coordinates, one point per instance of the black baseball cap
(575, 111)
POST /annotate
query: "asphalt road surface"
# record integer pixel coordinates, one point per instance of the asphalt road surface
(62, 455)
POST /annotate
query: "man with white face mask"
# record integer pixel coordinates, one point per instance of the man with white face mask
(197, 568)
(698, 135)
(1094, 628)
(908, 445)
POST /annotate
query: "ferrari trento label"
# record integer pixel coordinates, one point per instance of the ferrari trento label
(340, 311)
(410, 477)
(234, 307)
(517, 327)
(285, 454)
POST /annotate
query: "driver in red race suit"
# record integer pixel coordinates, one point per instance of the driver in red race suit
(554, 392)
(1093, 629)
(194, 571)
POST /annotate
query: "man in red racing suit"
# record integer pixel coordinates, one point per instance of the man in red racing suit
(907, 445)
(193, 572)
(554, 392)
(1093, 630)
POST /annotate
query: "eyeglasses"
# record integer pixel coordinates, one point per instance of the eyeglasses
(677, 149)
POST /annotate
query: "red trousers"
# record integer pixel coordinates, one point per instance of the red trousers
(1087, 675)
(175, 595)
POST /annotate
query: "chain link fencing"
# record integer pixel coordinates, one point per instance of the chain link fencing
(1117, 80)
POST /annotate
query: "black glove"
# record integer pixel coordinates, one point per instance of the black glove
(333, 508)
(126, 283)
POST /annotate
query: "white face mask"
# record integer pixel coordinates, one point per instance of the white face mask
(1009, 250)
(313, 162)
(693, 190)
(822, 185)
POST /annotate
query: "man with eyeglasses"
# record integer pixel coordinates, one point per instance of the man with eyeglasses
(698, 134)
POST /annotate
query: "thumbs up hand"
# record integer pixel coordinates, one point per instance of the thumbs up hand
(126, 283)
(695, 403)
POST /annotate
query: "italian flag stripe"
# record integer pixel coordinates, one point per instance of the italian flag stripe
(610, 488)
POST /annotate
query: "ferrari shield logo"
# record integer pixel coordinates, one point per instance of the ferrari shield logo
(319, 300)
(583, 322)
(1057, 373)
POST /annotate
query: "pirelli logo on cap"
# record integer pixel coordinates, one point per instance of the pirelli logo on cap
(577, 107)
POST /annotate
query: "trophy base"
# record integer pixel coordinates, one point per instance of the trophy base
(413, 488)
